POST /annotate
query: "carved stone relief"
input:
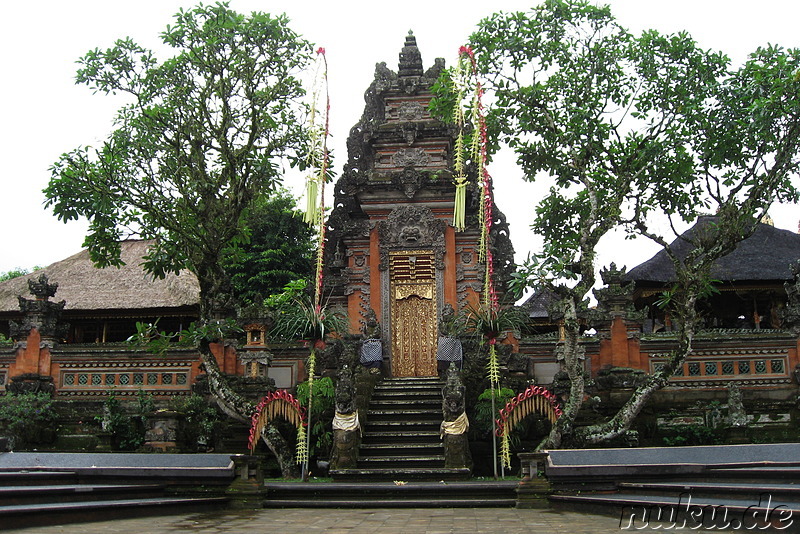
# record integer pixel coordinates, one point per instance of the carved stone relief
(410, 157)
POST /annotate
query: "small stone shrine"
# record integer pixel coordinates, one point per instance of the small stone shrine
(391, 246)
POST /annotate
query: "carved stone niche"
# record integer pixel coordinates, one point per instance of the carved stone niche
(409, 181)
(411, 227)
(31, 383)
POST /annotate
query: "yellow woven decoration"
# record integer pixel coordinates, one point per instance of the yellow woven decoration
(493, 367)
(505, 450)
(302, 448)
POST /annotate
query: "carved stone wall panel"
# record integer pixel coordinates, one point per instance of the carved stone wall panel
(396, 158)
(406, 109)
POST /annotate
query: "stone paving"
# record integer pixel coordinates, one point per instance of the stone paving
(341, 521)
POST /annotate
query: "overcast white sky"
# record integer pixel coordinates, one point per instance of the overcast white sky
(45, 114)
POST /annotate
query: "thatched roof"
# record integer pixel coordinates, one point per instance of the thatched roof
(86, 287)
(538, 303)
(764, 256)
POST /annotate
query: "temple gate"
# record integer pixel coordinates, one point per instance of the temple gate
(390, 245)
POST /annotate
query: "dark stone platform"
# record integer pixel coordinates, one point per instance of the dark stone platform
(705, 455)
(121, 464)
(601, 469)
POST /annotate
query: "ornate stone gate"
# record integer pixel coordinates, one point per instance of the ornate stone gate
(390, 245)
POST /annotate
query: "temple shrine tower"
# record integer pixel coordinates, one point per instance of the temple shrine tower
(391, 246)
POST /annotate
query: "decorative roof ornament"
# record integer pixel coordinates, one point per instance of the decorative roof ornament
(41, 288)
(410, 59)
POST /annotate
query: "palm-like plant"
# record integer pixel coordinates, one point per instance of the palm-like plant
(296, 317)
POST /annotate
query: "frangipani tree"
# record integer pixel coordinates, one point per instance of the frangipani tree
(627, 127)
(204, 134)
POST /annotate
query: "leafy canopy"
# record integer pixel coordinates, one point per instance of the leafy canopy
(280, 249)
(203, 135)
(608, 116)
(628, 128)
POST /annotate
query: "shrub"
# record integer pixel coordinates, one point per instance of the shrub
(321, 414)
(29, 418)
(201, 420)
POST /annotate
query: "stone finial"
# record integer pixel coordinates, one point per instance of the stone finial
(612, 275)
(41, 288)
(410, 59)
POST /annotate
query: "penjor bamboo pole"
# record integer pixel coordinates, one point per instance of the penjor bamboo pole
(494, 433)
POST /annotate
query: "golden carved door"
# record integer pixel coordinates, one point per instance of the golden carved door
(413, 294)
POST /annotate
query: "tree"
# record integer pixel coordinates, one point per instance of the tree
(203, 136)
(16, 273)
(627, 127)
(280, 249)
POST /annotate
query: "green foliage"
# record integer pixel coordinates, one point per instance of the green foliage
(16, 273)
(297, 319)
(280, 250)
(29, 417)
(202, 136)
(684, 435)
(487, 323)
(484, 416)
(604, 114)
(202, 420)
(126, 429)
(628, 128)
(154, 341)
(321, 413)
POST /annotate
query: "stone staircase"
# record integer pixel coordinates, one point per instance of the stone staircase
(41, 488)
(401, 439)
(736, 487)
(30, 499)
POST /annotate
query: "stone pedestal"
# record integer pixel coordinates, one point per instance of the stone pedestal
(457, 453)
(345, 449)
(247, 489)
(533, 489)
(163, 430)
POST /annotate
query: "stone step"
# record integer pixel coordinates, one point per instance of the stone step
(61, 493)
(789, 491)
(406, 402)
(400, 462)
(411, 493)
(389, 423)
(33, 515)
(401, 436)
(401, 474)
(413, 412)
(36, 478)
(409, 388)
(373, 449)
(392, 503)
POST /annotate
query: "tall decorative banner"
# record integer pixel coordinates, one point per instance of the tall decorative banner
(465, 80)
(318, 163)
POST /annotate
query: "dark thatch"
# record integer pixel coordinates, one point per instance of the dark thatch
(86, 287)
(764, 256)
(537, 304)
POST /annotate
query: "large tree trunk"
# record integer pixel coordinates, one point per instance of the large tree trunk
(688, 321)
(280, 448)
(230, 402)
(563, 430)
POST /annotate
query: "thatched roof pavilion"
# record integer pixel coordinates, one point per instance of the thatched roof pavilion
(125, 293)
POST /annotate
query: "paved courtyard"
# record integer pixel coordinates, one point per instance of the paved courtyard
(340, 521)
